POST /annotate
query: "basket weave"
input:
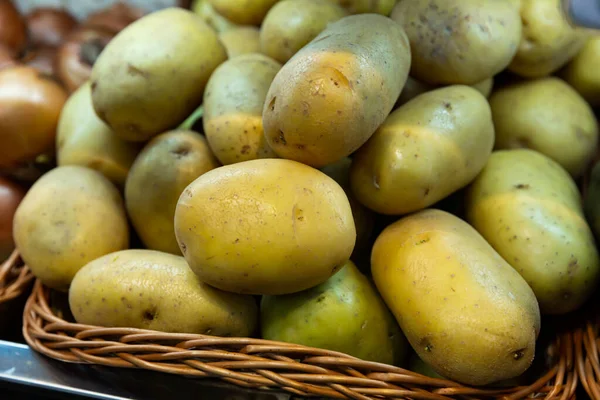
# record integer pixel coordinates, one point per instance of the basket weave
(588, 364)
(262, 364)
(15, 278)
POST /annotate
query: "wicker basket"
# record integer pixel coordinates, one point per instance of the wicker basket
(15, 278)
(588, 364)
(256, 363)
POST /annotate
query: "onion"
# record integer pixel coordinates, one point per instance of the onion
(77, 55)
(114, 18)
(13, 31)
(48, 27)
(42, 59)
(30, 105)
(11, 195)
(6, 58)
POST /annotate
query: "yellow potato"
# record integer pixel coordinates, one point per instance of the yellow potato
(243, 12)
(529, 209)
(459, 41)
(583, 73)
(549, 116)
(451, 291)
(548, 40)
(164, 168)
(484, 87)
(258, 227)
(240, 40)
(216, 21)
(414, 88)
(333, 94)
(383, 7)
(291, 24)
(70, 216)
(148, 289)
(425, 150)
(83, 139)
(233, 104)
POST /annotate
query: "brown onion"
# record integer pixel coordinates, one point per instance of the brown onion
(13, 31)
(11, 195)
(49, 27)
(114, 18)
(43, 59)
(30, 105)
(77, 55)
(6, 58)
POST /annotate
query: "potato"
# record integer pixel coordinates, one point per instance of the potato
(484, 87)
(383, 7)
(291, 24)
(459, 41)
(240, 40)
(582, 72)
(149, 289)
(345, 314)
(83, 139)
(152, 75)
(69, 217)
(425, 150)
(592, 200)
(233, 103)
(414, 88)
(333, 94)
(258, 226)
(164, 168)
(451, 291)
(548, 40)
(529, 209)
(549, 116)
(216, 21)
(243, 12)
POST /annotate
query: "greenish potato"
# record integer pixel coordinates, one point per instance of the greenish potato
(414, 88)
(291, 24)
(549, 116)
(592, 200)
(345, 314)
(148, 289)
(257, 227)
(240, 40)
(69, 217)
(450, 291)
(383, 7)
(459, 42)
(83, 139)
(333, 94)
(363, 217)
(164, 168)
(233, 104)
(529, 209)
(582, 72)
(215, 20)
(415, 364)
(548, 41)
(243, 12)
(152, 75)
(427, 149)
(484, 87)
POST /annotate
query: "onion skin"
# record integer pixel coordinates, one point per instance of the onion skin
(114, 18)
(6, 57)
(43, 59)
(13, 30)
(49, 27)
(11, 195)
(30, 105)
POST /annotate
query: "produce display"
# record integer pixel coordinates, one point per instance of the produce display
(400, 181)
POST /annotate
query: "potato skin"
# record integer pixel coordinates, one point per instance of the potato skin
(414, 88)
(332, 95)
(84, 139)
(459, 42)
(345, 314)
(548, 41)
(215, 20)
(164, 168)
(291, 24)
(448, 289)
(148, 289)
(425, 150)
(240, 40)
(70, 216)
(582, 72)
(249, 228)
(151, 76)
(549, 116)
(383, 7)
(243, 12)
(529, 209)
(233, 104)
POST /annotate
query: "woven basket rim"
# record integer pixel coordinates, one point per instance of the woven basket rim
(15, 278)
(263, 364)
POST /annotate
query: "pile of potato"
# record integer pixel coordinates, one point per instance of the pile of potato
(370, 177)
